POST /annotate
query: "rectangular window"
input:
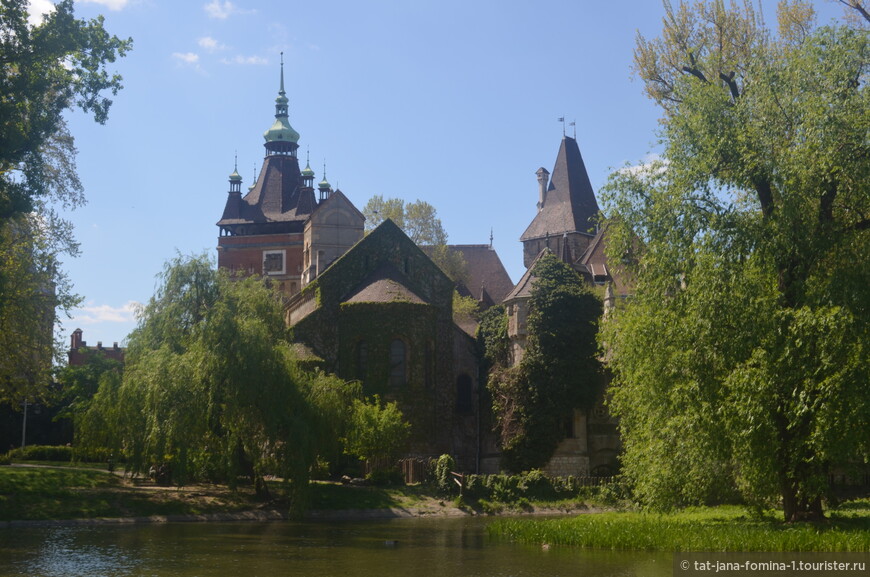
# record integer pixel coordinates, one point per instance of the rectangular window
(273, 262)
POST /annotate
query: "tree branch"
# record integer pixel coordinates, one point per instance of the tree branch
(826, 203)
(856, 5)
(732, 85)
(765, 196)
(695, 72)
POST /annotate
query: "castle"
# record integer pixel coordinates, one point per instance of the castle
(376, 309)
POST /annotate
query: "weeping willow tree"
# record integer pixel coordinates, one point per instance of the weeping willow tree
(742, 359)
(211, 387)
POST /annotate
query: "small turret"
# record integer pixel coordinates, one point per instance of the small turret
(307, 173)
(235, 178)
(324, 187)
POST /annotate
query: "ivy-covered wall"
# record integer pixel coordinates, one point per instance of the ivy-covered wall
(420, 316)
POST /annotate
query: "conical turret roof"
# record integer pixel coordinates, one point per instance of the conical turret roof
(569, 205)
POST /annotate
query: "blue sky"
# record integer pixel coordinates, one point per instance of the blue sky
(452, 102)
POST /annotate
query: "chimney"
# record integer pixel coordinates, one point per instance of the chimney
(76, 340)
(543, 180)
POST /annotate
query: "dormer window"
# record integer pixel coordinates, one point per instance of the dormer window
(599, 273)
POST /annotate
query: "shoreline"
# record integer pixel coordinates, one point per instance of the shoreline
(267, 515)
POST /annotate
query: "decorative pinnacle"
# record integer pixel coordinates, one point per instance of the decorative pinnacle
(281, 91)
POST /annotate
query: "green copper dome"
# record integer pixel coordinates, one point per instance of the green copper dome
(235, 176)
(307, 172)
(324, 183)
(281, 131)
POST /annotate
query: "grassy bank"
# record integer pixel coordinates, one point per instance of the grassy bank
(65, 492)
(80, 492)
(703, 529)
(42, 493)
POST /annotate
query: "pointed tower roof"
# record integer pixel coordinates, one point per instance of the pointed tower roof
(569, 205)
(278, 201)
(281, 131)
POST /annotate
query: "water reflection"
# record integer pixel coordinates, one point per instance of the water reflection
(405, 547)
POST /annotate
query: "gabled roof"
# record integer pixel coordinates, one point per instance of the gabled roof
(523, 289)
(488, 281)
(384, 285)
(569, 205)
(594, 263)
(338, 198)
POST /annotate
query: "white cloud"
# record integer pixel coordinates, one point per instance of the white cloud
(245, 60)
(210, 44)
(36, 9)
(110, 4)
(191, 58)
(223, 10)
(219, 10)
(93, 314)
(652, 164)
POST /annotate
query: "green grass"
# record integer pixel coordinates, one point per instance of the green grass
(42, 493)
(335, 497)
(701, 529)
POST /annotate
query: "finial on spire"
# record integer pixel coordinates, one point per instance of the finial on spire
(574, 124)
(562, 120)
(281, 91)
(490, 238)
(235, 177)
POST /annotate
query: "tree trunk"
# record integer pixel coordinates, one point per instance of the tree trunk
(796, 508)
(796, 471)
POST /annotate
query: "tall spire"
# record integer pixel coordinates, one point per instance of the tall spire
(281, 91)
(281, 138)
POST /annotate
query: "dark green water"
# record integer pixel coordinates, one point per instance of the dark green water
(422, 548)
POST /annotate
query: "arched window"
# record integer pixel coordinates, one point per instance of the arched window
(464, 405)
(398, 364)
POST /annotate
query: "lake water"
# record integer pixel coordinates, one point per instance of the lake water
(401, 547)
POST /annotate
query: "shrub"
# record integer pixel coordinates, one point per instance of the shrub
(41, 453)
(444, 465)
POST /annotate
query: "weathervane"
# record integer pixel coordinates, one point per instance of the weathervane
(572, 123)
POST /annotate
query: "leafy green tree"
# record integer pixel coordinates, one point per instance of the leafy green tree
(742, 358)
(79, 384)
(378, 431)
(47, 69)
(378, 209)
(419, 220)
(32, 289)
(559, 371)
(211, 385)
